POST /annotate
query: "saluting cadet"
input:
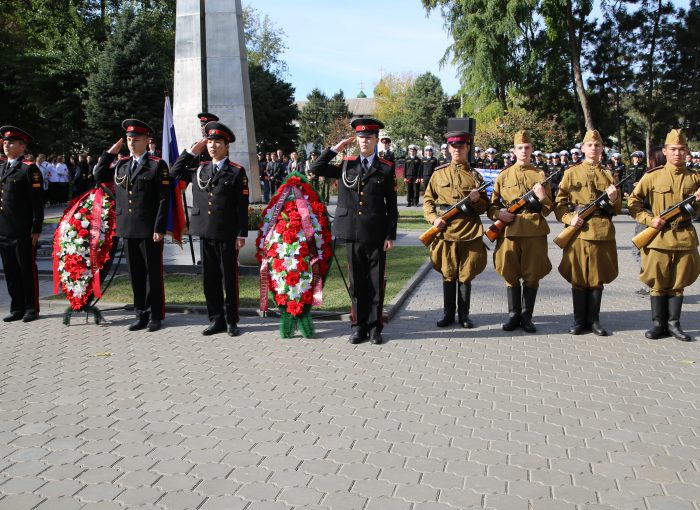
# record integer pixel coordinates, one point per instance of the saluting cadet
(204, 119)
(412, 176)
(387, 153)
(142, 190)
(521, 251)
(428, 165)
(21, 219)
(365, 218)
(458, 253)
(590, 260)
(220, 219)
(670, 262)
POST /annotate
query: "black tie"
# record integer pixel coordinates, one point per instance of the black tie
(134, 163)
(365, 166)
(7, 169)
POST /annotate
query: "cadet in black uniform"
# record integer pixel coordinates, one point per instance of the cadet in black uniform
(444, 157)
(411, 176)
(220, 219)
(491, 163)
(365, 218)
(539, 162)
(142, 199)
(427, 165)
(387, 153)
(21, 219)
(478, 159)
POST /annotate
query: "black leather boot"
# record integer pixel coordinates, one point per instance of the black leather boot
(514, 308)
(529, 297)
(659, 314)
(464, 297)
(449, 299)
(141, 321)
(580, 299)
(595, 297)
(675, 304)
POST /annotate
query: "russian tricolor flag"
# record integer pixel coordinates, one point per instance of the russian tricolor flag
(176, 214)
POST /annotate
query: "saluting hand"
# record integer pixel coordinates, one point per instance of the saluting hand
(343, 144)
(199, 147)
(114, 149)
(612, 192)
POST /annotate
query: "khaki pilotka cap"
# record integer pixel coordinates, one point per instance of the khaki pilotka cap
(521, 137)
(592, 135)
(676, 137)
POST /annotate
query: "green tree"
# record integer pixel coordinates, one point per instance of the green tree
(427, 108)
(274, 109)
(313, 119)
(264, 41)
(129, 82)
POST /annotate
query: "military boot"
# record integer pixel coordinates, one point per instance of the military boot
(464, 296)
(449, 299)
(514, 308)
(529, 297)
(675, 303)
(659, 314)
(595, 297)
(142, 318)
(580, 304)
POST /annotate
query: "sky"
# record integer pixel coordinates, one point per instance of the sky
(344, 45)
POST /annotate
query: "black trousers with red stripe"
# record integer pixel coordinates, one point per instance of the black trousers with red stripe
(366, 263)
(19, 264)
(144, 258)
(219, 276)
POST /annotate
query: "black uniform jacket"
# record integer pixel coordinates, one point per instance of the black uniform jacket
(427, 167)
(220, 202)
(143, 198)
(367, 214)
(411, 168)
(21, 200)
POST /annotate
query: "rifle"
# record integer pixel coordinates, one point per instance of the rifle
(528, 198)
(462, 206)
(567, 235)
(648, 234)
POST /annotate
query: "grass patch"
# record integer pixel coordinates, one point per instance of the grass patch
(52, 219)
(180, 289)
(412, 220)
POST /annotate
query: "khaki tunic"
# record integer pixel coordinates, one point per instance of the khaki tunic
(671, 261)
(459, 251)
(521, 252)
(591, 259)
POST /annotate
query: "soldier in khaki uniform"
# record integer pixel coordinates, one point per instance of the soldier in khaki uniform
(458, 252)
(521, 252)
(590, 260)
(671, 261)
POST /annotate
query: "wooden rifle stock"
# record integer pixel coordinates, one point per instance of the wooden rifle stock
(429, 235)
(648, 234)
(567, 235)
(497, 226)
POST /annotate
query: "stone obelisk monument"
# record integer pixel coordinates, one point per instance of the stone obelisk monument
(211, 74)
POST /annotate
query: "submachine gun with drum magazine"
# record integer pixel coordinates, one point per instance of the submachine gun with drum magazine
(463, 206)
(602, 203)
(517, 206)
(681, 210)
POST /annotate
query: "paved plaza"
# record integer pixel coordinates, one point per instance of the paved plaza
(96, 417)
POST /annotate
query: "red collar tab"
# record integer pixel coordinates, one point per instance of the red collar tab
(367, 127)
(16, 134)
(138, 129)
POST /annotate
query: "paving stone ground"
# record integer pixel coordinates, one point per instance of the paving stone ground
(432, 420)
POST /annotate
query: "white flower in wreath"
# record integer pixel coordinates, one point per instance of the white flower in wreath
(77, 216)
(290, 263)
(85, 223)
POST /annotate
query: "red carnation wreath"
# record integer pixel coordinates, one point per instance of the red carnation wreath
(294, 248)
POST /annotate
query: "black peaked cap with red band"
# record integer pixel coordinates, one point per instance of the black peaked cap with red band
(14, 133)
(135, 127)
(219, 131)
(205, 117)
(366, 126)
(458, 136)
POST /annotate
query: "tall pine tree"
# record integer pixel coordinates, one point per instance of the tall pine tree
(129, 82)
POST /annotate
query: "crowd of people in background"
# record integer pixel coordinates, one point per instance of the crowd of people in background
(64, 179)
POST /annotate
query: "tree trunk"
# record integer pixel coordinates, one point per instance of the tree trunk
(575, 53)
(650, 78)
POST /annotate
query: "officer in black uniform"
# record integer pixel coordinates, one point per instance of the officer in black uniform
(491, 163)
(387, 153)
(142, 190)
(427, 165)
(204, 119)
(411, 176)
(365, 218)
(478, 158)
(220, 219)
(619, 169)
(576, 156)
(21, 219)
